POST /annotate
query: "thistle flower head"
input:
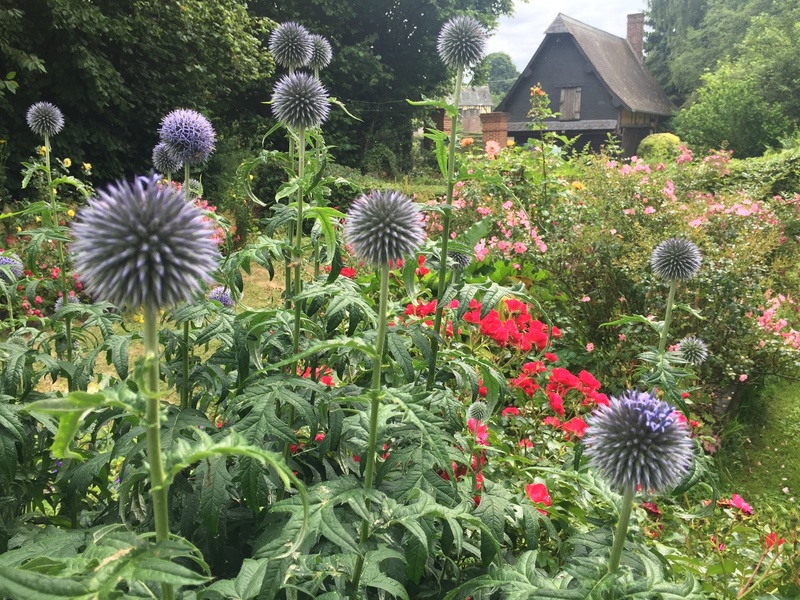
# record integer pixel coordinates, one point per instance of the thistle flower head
(290, 45)
(12, 263)
(478, 410)
(164, 160)
(638, 440)
(676, 259)
(462, 42)
(71, 299)
(222, 295)
(459, 260)
(300, 101)
(321, 52)
(194, 189)
(188, 135)
(693, 349)
(143, 244)
(45, 119)
(383, 226)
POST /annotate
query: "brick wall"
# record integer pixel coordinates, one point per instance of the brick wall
(495, 127)
(636, 34)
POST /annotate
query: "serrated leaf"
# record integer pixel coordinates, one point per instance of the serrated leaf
(399, 352)
(416, 553)
(214, 480)
(25, 585)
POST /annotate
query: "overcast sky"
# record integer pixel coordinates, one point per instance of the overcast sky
(520, 34)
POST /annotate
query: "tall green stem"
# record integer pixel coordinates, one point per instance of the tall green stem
(298, 241)
(622, 529)
(372, 443)
(662, 344)
(451, 169)
(158, 489)
(186, 347)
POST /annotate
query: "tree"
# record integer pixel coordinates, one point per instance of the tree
(731, 112)
(384, 53)
(497, 71)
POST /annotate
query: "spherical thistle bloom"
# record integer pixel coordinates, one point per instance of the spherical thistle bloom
(45, 119)
(321, 53)
(300, 101)
(478, 410)
(462, 42)
(164, 160)
(291, 45)
(71, 299)
(383, 226)
(693, 349)
(12, 263)
(676, 259)
(459, 260)
(638, 440)
(188, 135)
(222, 295)
(140, 244)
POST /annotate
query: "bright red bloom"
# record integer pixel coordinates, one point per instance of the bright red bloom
(526, 443)
(772, 540)
(576, 426)
(319, 437)
(421, 309)
(652, 509)
(589, 380)
(482, 391)
(538, 494)
(552, 421)
(422, 270)
(510, 411)
(550, 356)
(556, 403)
(348, 272)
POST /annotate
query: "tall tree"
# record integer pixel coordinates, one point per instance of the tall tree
(497, 71)
(384, 53)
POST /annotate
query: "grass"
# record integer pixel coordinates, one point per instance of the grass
(763, 460)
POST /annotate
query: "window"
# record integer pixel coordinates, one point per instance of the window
(570, 104)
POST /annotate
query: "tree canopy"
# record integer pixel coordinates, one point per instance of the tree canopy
(497, 71)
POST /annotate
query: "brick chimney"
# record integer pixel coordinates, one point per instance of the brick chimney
(636, 34)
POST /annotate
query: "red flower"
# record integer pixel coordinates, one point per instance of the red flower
(480, 430)
(552, 421)
(576, 426)
(422, 270)
(589, 380)
(319, 437)
(772, 540)
(652, 509)
(556, 403)
(510, 411)
(550, 356)
(538, 494)
(481, 389)
(348, 272)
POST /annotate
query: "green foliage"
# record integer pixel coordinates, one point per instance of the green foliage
(498, 71)
(659, 147)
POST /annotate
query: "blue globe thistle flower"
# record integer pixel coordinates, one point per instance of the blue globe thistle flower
(164, 160)
(71, 299)
(383, 227)
(693, 349)
(462, 42)
(299, 101)
(291, 45)
(676, 259)
(478, 410)
(459, 260)
(12, 263)
(140, 244)
(188, 135)
(222, 295)
(638, 440)
(321, 53)
(45, 119)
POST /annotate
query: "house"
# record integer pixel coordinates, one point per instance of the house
(473, 103)
(594, 79)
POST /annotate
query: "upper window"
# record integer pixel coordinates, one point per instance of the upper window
(570, 104)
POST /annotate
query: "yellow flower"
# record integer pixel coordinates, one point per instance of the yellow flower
(42, 150)
(19, 229)
(38, 219)
(67, 163)
(510, 143)
(251, 177)
(70, 213)
(138, 318)
(87, 166)
(577, 185)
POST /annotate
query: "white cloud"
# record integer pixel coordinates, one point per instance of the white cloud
(520, 34)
